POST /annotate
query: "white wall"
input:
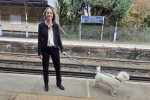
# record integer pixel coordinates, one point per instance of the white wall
(55, 5)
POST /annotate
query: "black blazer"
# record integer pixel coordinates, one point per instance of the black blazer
(43, 37)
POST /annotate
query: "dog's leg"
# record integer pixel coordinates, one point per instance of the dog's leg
(112, 92)
(94, 84)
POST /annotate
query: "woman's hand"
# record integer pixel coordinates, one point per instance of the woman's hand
(64, 53)
(40, 56)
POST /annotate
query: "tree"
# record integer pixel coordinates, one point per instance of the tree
(111, 9)
(64, 17)
(138, 11)
(68, 11)
(147, 21)
(141, 9)
(122, 8)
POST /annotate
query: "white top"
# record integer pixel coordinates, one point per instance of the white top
(50, 35)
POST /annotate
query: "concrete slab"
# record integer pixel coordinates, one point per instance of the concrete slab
(24, 85)
(73, 88)
(17, 82)
(126, 91)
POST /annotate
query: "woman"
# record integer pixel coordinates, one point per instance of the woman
(48, 43)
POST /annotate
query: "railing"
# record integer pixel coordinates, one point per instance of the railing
(22, 27)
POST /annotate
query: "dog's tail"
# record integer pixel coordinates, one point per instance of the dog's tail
(98, 69)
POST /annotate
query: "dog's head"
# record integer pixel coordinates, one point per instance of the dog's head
(123, 76)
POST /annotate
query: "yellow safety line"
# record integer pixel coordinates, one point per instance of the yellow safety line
(107, 44)
(17, 38)
(79, 42)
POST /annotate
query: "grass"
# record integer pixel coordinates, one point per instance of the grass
(135, 41)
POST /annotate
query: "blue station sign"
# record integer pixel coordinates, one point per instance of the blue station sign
(43, 19)
(92, 19)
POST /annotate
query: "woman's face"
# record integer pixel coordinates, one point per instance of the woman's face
(49, 14)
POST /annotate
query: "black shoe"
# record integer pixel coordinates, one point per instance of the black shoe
(61, 87)
(46, 88)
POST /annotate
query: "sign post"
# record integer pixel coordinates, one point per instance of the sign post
(102, 32)
(0, 26)
(115, 33)
(27, 35)
(92, 19)
(80, 31)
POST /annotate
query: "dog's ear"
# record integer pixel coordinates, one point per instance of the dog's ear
(124, 76)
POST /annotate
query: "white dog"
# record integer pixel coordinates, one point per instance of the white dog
(111, 81)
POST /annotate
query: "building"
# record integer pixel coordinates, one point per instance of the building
(24, 15)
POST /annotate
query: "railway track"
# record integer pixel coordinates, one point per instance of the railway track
(64, 73)
(90, 75)
(79, 58)
(38, 63)
(66, 65)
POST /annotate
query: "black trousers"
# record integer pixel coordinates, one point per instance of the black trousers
(54, 52)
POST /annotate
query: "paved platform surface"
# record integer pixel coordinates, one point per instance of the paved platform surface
(85, 43)
(31, 87)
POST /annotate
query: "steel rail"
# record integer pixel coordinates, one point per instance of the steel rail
(64, 73)
(39, 63)
(83, 58)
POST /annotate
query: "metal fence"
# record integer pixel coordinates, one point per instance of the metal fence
(94, 33)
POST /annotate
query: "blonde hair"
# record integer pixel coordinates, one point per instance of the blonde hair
(54, 18)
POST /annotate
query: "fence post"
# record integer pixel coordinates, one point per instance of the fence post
(102, 32)
(80, 31)
(0, 26)
(27, 35)
(134, 32)
(115, 32)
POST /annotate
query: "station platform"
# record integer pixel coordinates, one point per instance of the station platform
(86, 43)
(31, 87)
